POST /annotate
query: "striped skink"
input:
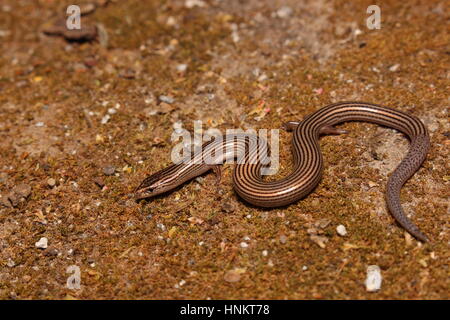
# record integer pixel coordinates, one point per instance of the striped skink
(308, 164)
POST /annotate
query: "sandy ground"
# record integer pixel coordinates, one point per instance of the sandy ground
(83, 122)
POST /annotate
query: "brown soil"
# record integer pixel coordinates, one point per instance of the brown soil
(242, 57)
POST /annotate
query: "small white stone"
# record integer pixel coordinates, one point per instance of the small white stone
(112, 111)
(42, 243)
(394, 67)
(194, 3)
(171, 21)
(265, 253)
(304, 268)
(105, 119)
(39, 124)
(149, 100)
(284, 12)
(182, 67)
(262, 77)
(246, 238)
(10, 263)
(166, 99)
(235, 36)
(341, 230)
(373, 279)
(244, 245)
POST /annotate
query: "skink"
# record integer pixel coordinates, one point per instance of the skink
(308, 164)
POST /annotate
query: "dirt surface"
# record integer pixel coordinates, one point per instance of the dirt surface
(82, 122)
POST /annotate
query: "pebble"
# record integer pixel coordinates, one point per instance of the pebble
(373, 279)
(341, 230)
(235, 36)
(182, 67)
(262, 77)
(244, 245)
(18, 194)
(264, 253)
(357, 32)
(372, 184)
(51, 182)
(195, 220)
(284, 12)
(105, 119)
(109, 170)
(283, 239)
(11, 263)
(112, 111)
(166, 99)
(42, 243)
(228, 207)
(409, 240)
(194, 3)
(22, 190)
(171, 21)
(394, 68)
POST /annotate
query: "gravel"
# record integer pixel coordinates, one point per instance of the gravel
(109, 170)
(42, 243)
(51, 182)
(166, 99)
(341, 230)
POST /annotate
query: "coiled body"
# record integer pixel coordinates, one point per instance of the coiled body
(308, 163)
